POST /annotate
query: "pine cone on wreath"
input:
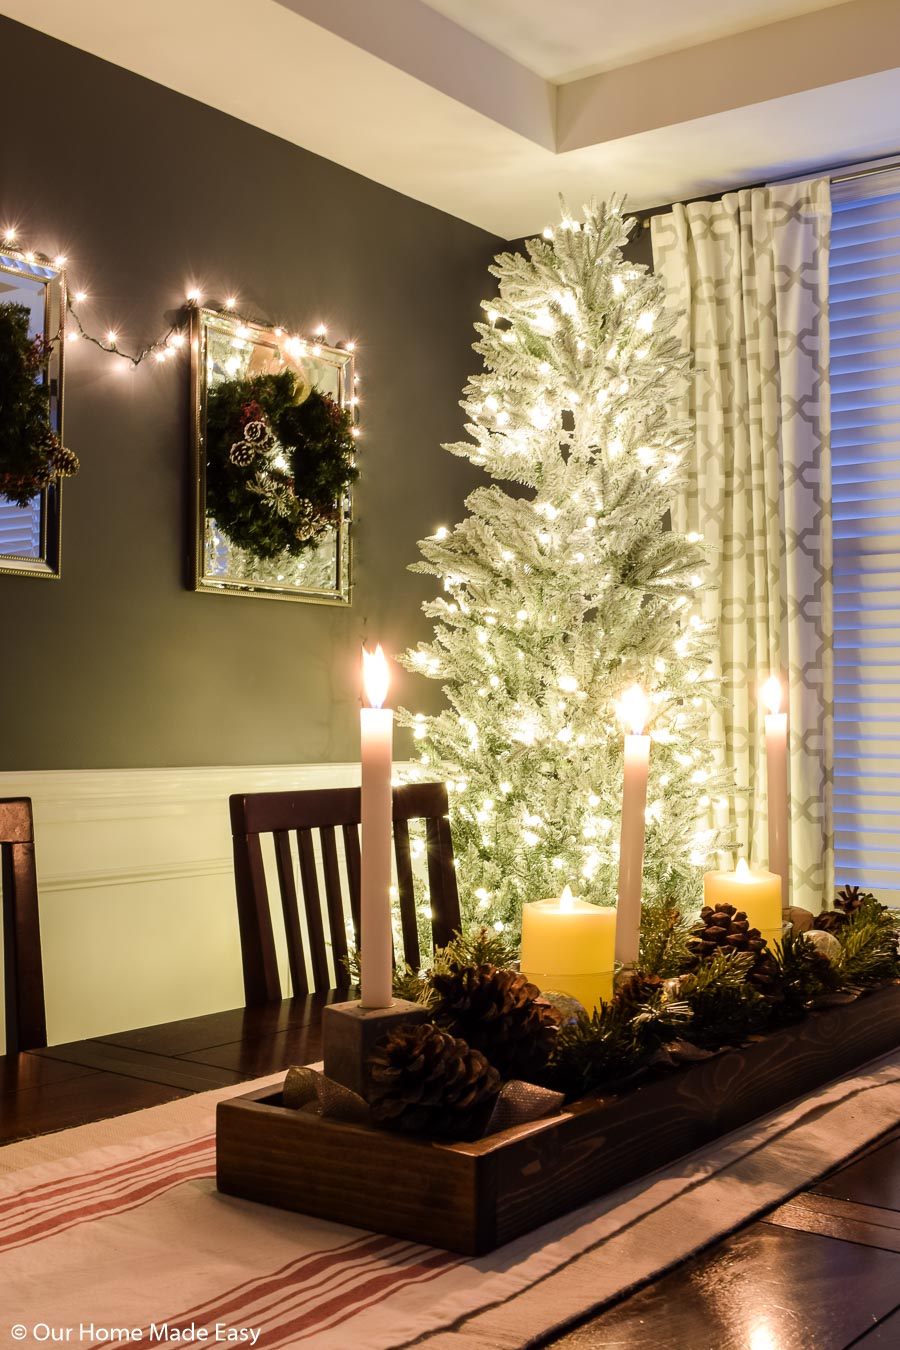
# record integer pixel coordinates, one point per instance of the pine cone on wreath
(242, 454)
(726, 929)
(499, 1013)
(425, 1081)
(257, 432)
(64, 462)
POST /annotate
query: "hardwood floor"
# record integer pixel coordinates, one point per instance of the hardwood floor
(821, 1272)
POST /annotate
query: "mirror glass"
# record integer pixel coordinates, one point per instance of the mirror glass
(267, 449)
(30, 528)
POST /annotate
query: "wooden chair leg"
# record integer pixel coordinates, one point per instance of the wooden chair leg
(26, 1023)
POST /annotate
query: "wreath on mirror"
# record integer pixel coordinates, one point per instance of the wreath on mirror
(31, 456)
(276, 468)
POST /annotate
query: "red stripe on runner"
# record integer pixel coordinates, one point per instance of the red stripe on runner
(99, 1209)
(103, 1175)
(355, 1312)
(239, 1297)
(375, 1290)
(346, 1275)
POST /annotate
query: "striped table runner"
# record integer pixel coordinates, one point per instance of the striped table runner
(115, 1234)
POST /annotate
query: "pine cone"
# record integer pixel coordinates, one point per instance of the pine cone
(257, 431)
(499, 1013)
(638, 990)
(849, 899)
(65, 462)
(242, 454)
(830, 921)
(727, 929)
(425, 1081)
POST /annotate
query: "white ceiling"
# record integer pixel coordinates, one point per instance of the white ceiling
(563, 40)
(416, 99)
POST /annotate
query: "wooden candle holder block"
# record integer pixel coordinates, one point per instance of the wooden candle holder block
(471, 1198)
(350, 1033)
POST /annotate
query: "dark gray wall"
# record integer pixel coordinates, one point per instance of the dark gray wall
(118, 664)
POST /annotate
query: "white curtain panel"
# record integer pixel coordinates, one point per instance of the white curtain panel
(748, 277)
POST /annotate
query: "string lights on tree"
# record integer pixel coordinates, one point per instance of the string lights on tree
(558, 599)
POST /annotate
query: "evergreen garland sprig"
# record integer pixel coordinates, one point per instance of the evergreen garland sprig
(31, 456)
(664, 936)
(805, 976)
(869, 945)
(725, 1008)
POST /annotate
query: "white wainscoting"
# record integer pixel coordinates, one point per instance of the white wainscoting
(138, 917)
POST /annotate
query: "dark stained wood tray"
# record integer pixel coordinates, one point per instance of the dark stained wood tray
(471, 1198)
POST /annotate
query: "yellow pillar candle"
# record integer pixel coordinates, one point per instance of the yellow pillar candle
(568, 946)
(757, 893)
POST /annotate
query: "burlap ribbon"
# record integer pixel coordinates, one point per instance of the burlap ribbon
(309, 1090)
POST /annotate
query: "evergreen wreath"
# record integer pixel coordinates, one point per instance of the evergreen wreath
(276, 469)
(31, 456)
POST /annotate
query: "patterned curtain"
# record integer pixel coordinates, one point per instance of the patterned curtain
(749, 278)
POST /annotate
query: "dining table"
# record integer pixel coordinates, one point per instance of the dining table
(825, 1263)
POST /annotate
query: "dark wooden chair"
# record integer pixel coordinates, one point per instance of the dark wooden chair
(26, 1023)
(329, 811)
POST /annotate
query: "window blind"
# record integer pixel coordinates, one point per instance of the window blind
(20, 528)
(864, 309)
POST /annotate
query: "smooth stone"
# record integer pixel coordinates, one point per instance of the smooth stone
(826, 943)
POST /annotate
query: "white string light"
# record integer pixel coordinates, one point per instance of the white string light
(175, 337)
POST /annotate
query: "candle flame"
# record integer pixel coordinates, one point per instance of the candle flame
(771, 694)
(742, 871)
(566, 901)
(375, 676)
(632, 709)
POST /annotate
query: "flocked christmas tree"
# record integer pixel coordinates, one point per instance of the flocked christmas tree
(561, 593)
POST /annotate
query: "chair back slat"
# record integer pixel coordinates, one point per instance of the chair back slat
(406, 892)
(326, 811)
(313, 905)
(336, 917)
(442, 878)
(26, 1023)
(353, 860)
(285, 865)
(261, 980)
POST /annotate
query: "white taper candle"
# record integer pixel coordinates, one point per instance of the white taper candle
(777, 786)
(633, 710)
(376, 739)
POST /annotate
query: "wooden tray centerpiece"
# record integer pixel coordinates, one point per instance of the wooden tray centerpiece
(472, 1197)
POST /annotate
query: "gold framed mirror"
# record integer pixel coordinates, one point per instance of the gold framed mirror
(273, 460)
(33, 301)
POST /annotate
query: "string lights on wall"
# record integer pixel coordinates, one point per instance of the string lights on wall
(176, 337)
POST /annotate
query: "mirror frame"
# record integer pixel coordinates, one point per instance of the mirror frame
(41, 269)
(202, 320)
